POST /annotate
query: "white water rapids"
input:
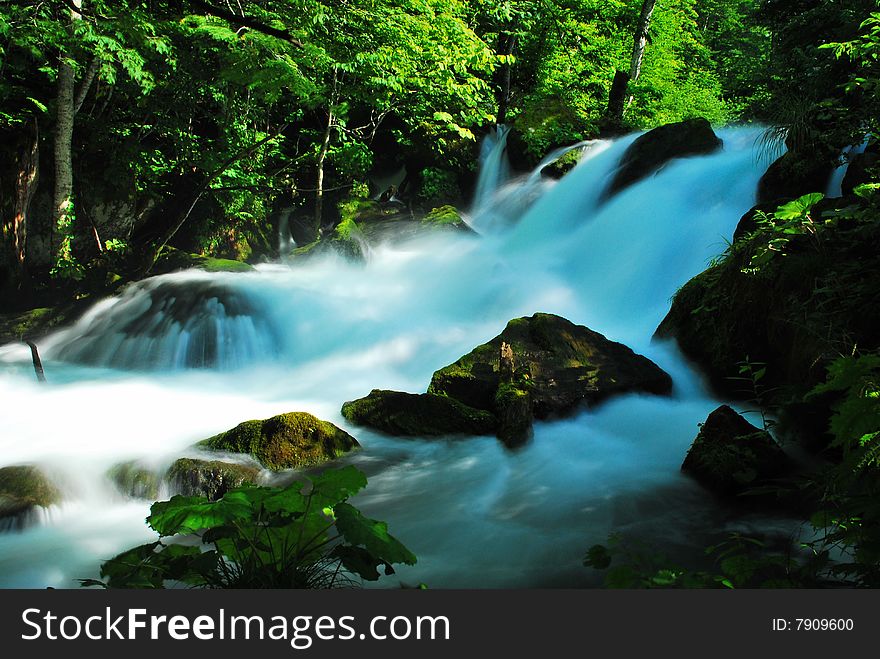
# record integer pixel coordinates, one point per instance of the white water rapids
(180, 357)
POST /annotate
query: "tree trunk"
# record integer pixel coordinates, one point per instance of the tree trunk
(617, 101)
(640, 42)
(25, 186)
(64, 114)
(506, 72)
(63, 198)
(322, 156)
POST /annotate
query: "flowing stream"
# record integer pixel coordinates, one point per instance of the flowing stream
(180, 357)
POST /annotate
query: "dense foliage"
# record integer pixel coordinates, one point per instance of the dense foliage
(131, 125)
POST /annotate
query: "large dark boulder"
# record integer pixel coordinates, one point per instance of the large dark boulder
(564, 365)
(790, 314)
(693, 137)
(209, 478)
(295, 439)
(23, 490)
(793, 175)
(730, 455)
(418, 415)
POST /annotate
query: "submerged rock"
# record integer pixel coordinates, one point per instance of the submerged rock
(24, 489)
(135, 480)
(564, 365)
(655, 148)
(295, 439)
(209, 478)
(419, 415)
(730, 455)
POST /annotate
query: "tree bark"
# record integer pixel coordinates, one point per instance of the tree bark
(640, 42)
(506, 73)
(322, 156)
(64, 113)
(25, 186)
(617, 100)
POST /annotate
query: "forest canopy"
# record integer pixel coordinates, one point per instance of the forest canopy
(129, 126)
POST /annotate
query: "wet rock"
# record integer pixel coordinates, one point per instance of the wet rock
(24, 489)
(417, 415)
(209, 478)
(564, 365)
(135, 480)
(794, 175)
(295, 439)
(860, 171)
(172, 260)
(730, 455)
(655, 148)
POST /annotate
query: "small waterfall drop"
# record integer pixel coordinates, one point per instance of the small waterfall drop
(835, 184)
(494, 166)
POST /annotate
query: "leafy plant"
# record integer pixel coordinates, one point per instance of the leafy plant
(782, 226)
(751, 375)
(304, 535)
(740, 562)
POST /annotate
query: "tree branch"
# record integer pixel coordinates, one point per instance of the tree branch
(86, 84)
(246, 21)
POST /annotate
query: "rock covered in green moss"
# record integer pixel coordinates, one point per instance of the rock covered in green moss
(173, 259)
(792, 313)
(419, 415)
(135, 480)
(23, 489)
(445, 217)
(730, 455)
(295, 439)
(565, 365)
(513, 406)
(563, 164)
(209, 478)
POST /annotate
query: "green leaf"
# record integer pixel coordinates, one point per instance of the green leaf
(799, 207)
(372, 535)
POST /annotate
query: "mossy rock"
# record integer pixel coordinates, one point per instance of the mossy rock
(135, 480)
(417, 415)
(172, 260)
(445, 217)
(791, 314)
(24, 488)
(566, 365)
(209, 478)
(36, 323)
(295, 439)
(563, 165)
(730, 455)
(654, 149)
(513, 405)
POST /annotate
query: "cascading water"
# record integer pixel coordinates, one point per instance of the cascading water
(312, 336)
(494, 166)
(835, 183)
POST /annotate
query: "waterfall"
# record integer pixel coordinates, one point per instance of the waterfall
(835, 184)
(177, 358)
(494, 166)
